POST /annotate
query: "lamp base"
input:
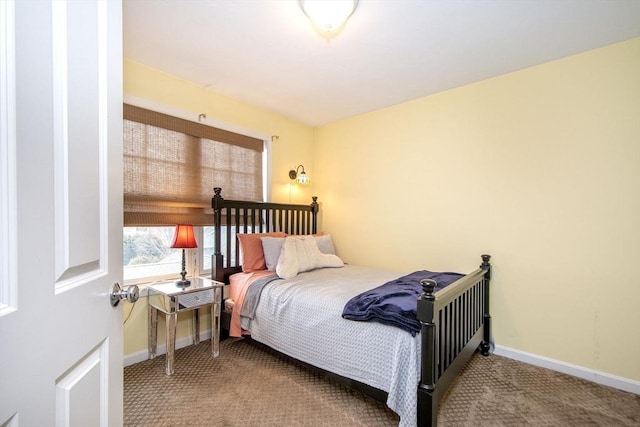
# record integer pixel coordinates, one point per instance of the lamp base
(183, 283)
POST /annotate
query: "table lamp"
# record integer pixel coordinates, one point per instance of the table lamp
(183, 238)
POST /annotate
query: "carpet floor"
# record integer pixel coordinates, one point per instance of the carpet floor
(248, 386)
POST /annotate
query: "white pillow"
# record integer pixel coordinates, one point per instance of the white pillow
(271, 246)
(301, 253)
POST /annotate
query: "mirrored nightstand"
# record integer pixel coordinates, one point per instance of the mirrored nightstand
(170, 299)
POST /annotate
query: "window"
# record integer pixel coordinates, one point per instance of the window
(147, 253)
(171, 166)
(207, 248)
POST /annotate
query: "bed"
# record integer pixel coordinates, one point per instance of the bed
(408, 372)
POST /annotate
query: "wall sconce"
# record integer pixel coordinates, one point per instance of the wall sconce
(301, 177)
(328, 15)
(183, 238)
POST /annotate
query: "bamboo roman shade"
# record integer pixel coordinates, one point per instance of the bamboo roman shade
(171, 166)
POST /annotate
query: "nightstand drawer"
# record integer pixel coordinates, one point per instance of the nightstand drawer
(194, 299)
(170, 298)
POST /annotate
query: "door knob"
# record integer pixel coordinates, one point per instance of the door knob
(131, 294)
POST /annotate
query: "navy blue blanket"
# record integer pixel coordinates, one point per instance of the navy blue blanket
(395, 302)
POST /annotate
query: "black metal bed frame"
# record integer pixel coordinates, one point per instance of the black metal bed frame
(455, 322)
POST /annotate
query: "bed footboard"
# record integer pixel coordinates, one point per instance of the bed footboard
(455, 322)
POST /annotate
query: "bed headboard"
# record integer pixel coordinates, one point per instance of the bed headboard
(234, 216)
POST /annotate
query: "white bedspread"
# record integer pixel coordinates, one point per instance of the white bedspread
(301, 317)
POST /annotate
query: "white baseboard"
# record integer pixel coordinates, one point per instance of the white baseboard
(143, 355)
(609, 380)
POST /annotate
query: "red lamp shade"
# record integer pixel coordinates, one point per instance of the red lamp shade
(183, 237)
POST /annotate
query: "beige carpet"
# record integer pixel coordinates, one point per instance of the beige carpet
(247, 386)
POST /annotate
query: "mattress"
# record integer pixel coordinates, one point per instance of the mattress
(301, 317)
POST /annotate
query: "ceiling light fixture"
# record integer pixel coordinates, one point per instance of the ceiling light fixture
(328, 15)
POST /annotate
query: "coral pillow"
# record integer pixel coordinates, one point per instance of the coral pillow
(251, 250)
(300, 254)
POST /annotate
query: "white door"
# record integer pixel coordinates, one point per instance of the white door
(60, 212)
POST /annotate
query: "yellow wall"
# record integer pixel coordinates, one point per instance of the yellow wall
(293, 147)
(540, 168)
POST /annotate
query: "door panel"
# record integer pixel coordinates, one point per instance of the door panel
(81, 393)
(79, 178)
(61, 213)
(77, 118)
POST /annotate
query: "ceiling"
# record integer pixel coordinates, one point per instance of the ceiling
(266, 52)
